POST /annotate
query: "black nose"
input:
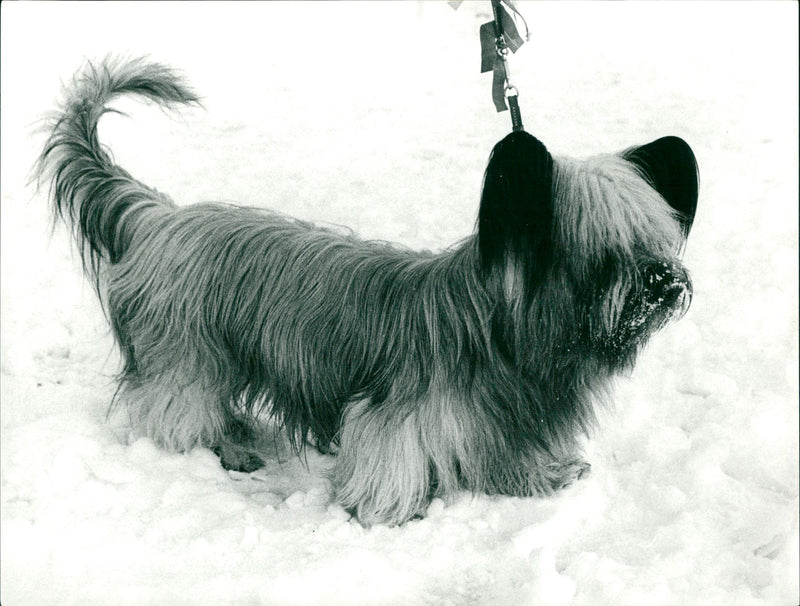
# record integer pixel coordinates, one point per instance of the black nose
(671, 286)
(670, 166)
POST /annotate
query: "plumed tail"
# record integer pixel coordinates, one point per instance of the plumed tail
(97, 199)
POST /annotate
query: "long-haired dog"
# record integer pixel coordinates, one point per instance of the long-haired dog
(474, 369)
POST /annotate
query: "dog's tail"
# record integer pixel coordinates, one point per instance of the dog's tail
(100, 201)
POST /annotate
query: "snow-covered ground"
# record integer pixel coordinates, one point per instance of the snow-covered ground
(374, 115)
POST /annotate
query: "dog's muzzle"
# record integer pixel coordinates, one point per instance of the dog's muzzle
(663, 293)
(668, 287)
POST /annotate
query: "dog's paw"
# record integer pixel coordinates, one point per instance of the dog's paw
(566, 473)
(234, 457)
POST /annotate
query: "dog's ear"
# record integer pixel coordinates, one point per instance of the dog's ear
(670, 166)
(515, 221)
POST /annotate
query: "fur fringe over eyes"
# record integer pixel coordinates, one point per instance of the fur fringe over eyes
(476, 368)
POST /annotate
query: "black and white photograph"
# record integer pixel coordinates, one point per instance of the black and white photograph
(399, 303)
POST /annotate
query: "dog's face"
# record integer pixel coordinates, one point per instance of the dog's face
(589, 245)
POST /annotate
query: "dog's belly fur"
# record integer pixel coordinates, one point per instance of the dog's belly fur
(476, 368)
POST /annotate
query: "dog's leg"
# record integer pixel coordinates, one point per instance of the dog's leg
(382, 473)
(182, 417)
(395, 456)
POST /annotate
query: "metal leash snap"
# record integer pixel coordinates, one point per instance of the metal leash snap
(502, 33)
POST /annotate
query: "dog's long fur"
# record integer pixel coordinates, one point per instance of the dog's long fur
(471, 369)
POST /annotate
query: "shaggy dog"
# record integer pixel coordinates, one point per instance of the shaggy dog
(475, 368)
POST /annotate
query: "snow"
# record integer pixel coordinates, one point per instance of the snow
(374, 116)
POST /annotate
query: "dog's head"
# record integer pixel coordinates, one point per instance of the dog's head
(596, 241)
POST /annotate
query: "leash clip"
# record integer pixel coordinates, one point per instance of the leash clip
(501, 33)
